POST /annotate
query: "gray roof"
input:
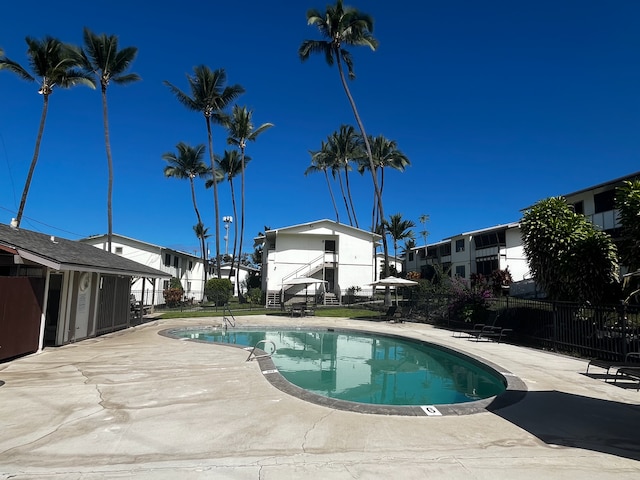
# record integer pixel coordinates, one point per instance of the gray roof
(63, 254)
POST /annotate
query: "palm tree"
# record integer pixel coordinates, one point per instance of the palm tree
(231, 166)
(399, 229)
(187, 163)
(342, 27)
(423, 219)
(241, 130)
(385, 154)
(319, 164)
(328, 156)
(209, 96)
(346, 147)
(54, 64)
(203, 233)
(107, 63)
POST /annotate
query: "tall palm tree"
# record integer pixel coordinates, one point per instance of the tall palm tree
(346, 145)
(399, 229)
(385, 155)
(343, 27)
(203, 233)
(327, 155)
(107, 63)
(187, 163)
(319, 164)
(240, 131)
(231, 165)
(423, 219)
(54, 64)
(210, 96)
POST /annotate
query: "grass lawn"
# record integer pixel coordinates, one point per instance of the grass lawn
(320, 312)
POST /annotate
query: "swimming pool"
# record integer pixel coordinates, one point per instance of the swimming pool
(347, 367)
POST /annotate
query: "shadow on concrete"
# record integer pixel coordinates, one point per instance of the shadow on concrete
(563, 419)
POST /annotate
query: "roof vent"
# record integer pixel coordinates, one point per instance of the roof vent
(14, 223)
(53, 239)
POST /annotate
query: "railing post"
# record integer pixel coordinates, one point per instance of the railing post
(554, 314)
(622, 320)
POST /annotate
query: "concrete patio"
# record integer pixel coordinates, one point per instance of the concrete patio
(135, 404)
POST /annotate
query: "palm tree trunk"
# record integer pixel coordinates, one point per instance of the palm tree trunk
(353, 210)
(235, 226)
(242, 147)
(195, 207)
(333, 200)
(344, 198)
(34, 160)
(215, 195)
(387, 293)
(107, 146)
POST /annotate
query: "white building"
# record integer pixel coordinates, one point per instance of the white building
(324, 250)
(476, 252)
(185, 267)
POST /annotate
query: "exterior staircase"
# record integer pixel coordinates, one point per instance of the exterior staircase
(331, 299)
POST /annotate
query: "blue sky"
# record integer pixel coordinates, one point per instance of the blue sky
(497, 105)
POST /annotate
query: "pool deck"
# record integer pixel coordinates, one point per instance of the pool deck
(135, 404)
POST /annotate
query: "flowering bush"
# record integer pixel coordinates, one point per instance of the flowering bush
(469, 303)
(413, 276)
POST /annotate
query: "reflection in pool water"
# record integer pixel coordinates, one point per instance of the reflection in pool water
(367, 368)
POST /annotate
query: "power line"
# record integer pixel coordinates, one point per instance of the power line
(30, 220)
(6, 157)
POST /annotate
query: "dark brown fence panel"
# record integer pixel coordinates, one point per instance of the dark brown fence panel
(113, 304)
(21, 300)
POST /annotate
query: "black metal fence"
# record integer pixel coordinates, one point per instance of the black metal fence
(600, 331)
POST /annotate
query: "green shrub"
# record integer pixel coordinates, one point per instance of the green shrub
(255, 296)
(219, 290)
(173, 294)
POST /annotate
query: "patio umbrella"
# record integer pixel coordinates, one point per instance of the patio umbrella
(394, 282)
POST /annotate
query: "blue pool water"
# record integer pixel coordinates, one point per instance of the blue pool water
(366, 368)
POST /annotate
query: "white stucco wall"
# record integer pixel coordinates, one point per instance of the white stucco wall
(514, 256)
(296, 249)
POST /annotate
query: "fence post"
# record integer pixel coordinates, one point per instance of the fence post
(622, 320)
(554, 314)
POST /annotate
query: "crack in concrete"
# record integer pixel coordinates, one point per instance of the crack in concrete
(312, 428)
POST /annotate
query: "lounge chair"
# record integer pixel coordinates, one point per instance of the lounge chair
(469, 332)
(493, 333)
(479, 328)
(631, 359)
(629, 372)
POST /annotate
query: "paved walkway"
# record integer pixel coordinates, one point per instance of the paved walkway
(135, 404)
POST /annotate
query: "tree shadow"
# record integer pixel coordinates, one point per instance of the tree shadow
(559, 418)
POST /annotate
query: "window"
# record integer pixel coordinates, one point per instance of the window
(605, 201)
(188, 286)
(432, 252)
(118, 250)
(445, 249)
(330, 246)
(411, 256)
(491, 239)
(460, 245)
(167, 259)
(176, 262)
(165, 284)
(190, 265)
(578, 207)
(460, 271)
(487, 265)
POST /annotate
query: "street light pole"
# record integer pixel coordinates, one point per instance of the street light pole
(227, 220)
